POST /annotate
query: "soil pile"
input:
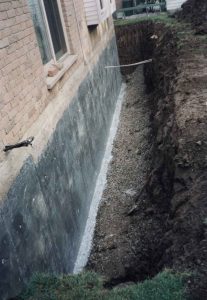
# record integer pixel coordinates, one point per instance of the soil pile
(195, 11)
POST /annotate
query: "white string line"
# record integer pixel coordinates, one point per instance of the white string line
(130, 65)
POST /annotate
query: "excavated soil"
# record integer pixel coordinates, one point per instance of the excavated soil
(195, 11)
(153, 213)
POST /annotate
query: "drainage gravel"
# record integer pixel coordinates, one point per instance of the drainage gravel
(113, 250)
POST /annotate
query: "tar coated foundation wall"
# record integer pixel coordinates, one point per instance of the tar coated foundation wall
(43, 215)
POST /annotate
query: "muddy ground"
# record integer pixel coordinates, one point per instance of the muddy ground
(160, 150)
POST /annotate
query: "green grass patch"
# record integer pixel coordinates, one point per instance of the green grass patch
(162, 18)
(89, 286)
(182, 28)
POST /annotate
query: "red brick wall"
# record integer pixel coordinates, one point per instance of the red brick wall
(23, 89)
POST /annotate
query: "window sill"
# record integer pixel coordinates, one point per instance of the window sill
(67, 63)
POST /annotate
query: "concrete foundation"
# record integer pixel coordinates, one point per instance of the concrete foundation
(43, 216)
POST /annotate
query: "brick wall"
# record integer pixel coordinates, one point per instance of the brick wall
(23, 90)
(70, 125)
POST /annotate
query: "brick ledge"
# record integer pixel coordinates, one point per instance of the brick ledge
(67, 63)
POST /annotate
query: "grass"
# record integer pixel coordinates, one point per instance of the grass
(182, 27)
(89, 286)
(163, 18)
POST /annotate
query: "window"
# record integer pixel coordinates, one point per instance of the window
(49, 27)
(55, 26)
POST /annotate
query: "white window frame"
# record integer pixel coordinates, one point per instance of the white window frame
(61, 59)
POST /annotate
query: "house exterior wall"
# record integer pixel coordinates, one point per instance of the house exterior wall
(23, 89)
(24, 93)
(45, 190)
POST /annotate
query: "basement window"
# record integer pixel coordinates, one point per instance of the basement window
(51, 34)
(57, 36)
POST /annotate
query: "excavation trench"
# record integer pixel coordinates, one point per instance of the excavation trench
(152, 213)
(115, 238)
(130, 229)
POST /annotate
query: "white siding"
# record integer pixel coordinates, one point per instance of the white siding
(94, 13)
(174, 4)
(91, 11)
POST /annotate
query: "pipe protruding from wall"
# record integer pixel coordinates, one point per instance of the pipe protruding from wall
(24, 143)
(130, 65)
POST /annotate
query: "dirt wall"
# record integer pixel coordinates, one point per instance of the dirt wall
(175, 189)
(131, 41)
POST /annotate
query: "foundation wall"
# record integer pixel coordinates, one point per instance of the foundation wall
(42, 216)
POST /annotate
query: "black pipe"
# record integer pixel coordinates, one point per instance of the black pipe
(25, 143)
